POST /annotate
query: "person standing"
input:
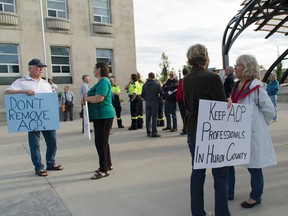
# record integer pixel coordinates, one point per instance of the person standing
(83, 91)
(68, 99)
(116, 101)
(272, 90)
(250, 90)
(31, 84)
(151, 93)
(140, 105)
(179, 99)
(169, 89)
(134, 89)
(54, 87)
(228, 86)
(229, 80)
(101, 113)
(202, 84)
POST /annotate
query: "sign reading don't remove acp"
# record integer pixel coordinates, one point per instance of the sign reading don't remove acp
(32, 113)
(223, 135)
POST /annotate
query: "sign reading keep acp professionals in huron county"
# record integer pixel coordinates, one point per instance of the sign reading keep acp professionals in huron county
(223, 135)
(32, 113)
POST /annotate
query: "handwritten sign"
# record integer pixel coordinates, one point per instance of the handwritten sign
(86, 121)
(223, 136)
(32, 113)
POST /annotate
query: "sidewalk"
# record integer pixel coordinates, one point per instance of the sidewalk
(150, 176)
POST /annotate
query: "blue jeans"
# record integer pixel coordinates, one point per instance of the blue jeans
(231, 182)
(170, 111)
(197, 187)
(257, 183)
(50, 139)
(274, 101)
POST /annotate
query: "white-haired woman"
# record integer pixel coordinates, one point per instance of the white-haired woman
(250, 90)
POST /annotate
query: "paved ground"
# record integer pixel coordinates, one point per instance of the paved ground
(150, 176)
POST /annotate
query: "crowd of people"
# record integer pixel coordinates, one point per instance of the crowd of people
(241, 85)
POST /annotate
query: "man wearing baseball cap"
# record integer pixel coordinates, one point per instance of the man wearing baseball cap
(31, 84)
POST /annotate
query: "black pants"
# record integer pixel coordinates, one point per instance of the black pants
(117, 107)
(182, 109)
(68, 109)
(102, 131)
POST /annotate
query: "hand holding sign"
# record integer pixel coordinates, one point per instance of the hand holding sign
(223, 135)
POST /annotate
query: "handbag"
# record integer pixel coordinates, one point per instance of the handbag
(63, 107)
(68, 103)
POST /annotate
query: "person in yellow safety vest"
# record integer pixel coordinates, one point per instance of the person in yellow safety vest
(140, 105)
(116, 101)
(133, 89)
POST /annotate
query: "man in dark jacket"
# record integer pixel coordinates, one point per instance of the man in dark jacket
(229, 80)
(151, 93)
(169, 89)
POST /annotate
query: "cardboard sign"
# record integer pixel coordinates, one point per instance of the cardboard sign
(223, 135)
(86, 121)
(38, 112)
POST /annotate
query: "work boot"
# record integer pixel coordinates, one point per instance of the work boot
(133, 125)
(140, 123)
(119, 123)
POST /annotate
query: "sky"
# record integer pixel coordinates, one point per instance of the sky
(172, 26)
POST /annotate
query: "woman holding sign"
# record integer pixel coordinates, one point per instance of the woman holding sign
(202, 84)
(250, 90)
(101, 113)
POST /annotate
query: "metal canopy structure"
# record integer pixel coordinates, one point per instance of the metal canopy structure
(267, 15)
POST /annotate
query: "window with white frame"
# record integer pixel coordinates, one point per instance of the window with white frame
(101, 11)
(9, 60)
(7, 6)
(60, 59)
(57, 8)
(105, 55)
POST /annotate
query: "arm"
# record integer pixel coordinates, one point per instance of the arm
(94, 99)
(28, 92)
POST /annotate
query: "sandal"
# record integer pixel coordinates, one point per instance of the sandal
(99, 175)
(42, 173)
(110, 168)
(56, 167)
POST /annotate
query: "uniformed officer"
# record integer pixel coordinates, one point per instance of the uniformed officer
(140, 105)
(116, 101)
(133, 89)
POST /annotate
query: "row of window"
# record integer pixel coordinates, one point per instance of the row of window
(58, 8)
(60, 59)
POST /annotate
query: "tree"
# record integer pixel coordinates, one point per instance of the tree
(164, 66)
(279, 71)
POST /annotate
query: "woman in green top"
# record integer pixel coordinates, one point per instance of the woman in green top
(101, 113)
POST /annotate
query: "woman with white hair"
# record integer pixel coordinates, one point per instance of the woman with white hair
(250, 90)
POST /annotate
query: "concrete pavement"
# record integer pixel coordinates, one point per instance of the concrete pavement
(150, 176)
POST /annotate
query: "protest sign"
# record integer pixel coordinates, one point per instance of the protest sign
(86, 121)
(223, 135)
(32, 113)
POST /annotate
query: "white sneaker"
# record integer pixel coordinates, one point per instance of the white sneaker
(209, 214)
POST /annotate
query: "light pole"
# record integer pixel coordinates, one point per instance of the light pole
(43, 38)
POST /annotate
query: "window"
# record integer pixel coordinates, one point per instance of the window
(57, 8)
(9, 63)
(101, 11)
(60, 58)
(7, 6)
(104, 55)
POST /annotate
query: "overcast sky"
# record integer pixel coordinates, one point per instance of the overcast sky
(171, 26)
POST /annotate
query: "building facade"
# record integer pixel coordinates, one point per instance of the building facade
(70, 36)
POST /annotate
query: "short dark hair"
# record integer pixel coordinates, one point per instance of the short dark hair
(151, 75)
(134, 77)
(104, 69)
(84, 76)
(185, 71)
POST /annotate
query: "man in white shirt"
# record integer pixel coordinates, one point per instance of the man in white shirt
(31, 84)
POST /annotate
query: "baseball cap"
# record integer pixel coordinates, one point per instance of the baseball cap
(36, 62)
(273, 74)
